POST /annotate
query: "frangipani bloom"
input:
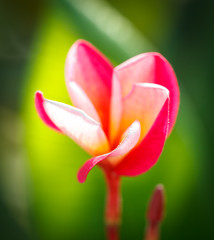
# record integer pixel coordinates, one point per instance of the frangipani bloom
(121, 116)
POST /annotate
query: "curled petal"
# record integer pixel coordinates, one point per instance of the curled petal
(86, 66)
(86, 168)
(150, 68)
(146, 154)
(129, 141)
(143, 103)
(76, 124)
(39, 103)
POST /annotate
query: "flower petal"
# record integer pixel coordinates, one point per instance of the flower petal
(143, 103)
(39, 103)
(86, 66)
(150, 68)
(146, 154)
(128, 142)
(76, 124)
(88, 165)
(80, 100)
(115, 110)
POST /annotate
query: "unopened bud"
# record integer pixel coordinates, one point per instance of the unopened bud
(156, 207)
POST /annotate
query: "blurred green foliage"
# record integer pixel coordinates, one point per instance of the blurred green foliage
(54, 204)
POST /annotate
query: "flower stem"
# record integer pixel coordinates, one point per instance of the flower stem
(113, 206)
(152, 231)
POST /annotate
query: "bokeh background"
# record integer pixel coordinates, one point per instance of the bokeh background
(40, 197)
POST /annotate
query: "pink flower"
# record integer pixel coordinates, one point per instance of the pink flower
(122, 115)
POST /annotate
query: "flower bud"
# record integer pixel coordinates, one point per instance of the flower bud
(156, 207)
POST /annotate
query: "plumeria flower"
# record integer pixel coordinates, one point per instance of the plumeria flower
(121, 116)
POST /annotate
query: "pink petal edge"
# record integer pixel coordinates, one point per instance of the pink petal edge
(39, 103)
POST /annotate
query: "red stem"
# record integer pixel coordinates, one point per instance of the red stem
(113, 206)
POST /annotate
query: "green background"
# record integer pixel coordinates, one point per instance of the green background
(40, 197)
